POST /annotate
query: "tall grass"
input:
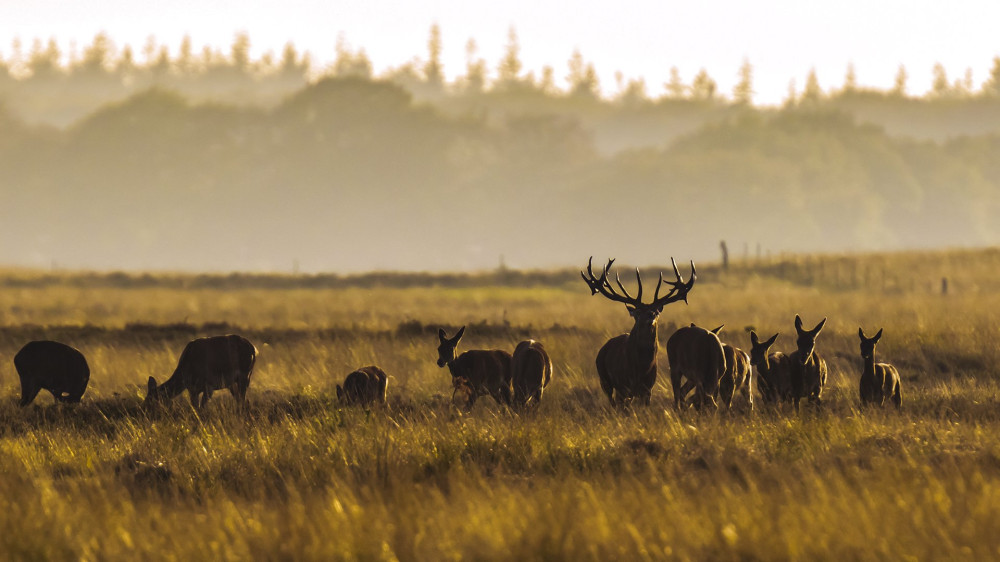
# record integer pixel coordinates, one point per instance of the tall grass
(300, 477)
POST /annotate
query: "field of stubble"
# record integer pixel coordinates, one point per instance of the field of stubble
(299, 477)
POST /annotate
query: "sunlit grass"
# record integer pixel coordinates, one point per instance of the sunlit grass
(299, 477)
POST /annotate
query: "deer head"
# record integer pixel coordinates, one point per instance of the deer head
(446, 351)
(759, 349)
(868, 344)
(806, 341)
(644, 314)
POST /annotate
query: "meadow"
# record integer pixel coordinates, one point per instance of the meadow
(300, 477)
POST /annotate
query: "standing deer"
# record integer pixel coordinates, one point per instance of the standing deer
(878, 380)
(484, 371)
(530, 372)
(738, 376)
(53, 366)
(207, 365)
(364, 386)
(808, 369)
(773, 370)
(627, 363)
(696, 354)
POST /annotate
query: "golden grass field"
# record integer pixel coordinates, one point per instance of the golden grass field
(298, 477)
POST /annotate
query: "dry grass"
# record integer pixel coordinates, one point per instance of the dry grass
(299, 477)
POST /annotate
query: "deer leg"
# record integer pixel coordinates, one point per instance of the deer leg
(897, 397)
(679, 392)
(28, 393)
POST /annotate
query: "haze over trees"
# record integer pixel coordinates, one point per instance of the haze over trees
(208, 160)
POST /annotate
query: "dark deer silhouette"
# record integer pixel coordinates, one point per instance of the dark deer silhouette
(773, 370)
(808, 368)
(878, 380)
(364, 386)
(626, 364)
(52, 366)
(530, 372)
(207, 365)
(695, 354)
(738, 375)
(484, 371)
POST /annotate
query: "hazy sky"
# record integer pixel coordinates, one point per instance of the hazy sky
(782, 39)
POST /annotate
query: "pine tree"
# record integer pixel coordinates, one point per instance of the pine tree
(812, 91)
(509, 70)
(240, 51)
(349, 63)
(44, 62)
(743, 91)
(899, 84)
(703, 87)
(992, 85)
(433, 72)
(185, 62)
(676, 89)
(475, 68)
(582, 78)
(97, 55)
(850, 79)
(940, 87)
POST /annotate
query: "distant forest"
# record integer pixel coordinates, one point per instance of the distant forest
(214, 161)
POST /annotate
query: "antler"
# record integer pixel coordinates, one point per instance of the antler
(678, 289)
(603, 286)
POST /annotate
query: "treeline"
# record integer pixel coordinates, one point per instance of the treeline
(351, 174)
(41, 84)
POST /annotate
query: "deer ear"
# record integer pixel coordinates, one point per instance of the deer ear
(717, 330)
(150, 385)
(458, 336)
(631, 310)
(441, 335)
(861, 334)
(819, 326)
(753, 338)
(878, 336)
(798, 322)
(770, 342)
(340, 392)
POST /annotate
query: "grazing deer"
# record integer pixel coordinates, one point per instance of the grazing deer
(627, 363)
(808, 369)
(364, 386)
(878, 380)
(696, 354)
(207, 365)
(773, 370)
(53, 366)
(485, 371)
(530, 372)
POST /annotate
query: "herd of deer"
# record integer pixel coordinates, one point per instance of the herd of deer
(626, 364)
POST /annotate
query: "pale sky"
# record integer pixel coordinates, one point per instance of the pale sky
(782, 39)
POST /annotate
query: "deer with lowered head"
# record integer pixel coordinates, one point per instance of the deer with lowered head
(363, 386)
(206, 365)
(878, 380)
(484, 371)
(626, 364)
(52, 366)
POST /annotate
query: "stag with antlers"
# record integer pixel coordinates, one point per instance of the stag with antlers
(627, 363)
